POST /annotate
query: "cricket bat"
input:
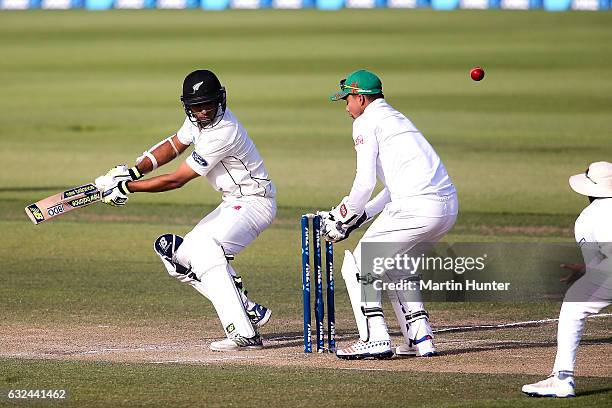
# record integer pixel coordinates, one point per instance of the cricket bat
(60, 203)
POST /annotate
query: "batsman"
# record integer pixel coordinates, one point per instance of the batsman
(224, 154)
(418, 204)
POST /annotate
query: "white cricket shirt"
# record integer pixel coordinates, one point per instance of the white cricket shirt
(391, 148)
(594, 228)
(227, 157)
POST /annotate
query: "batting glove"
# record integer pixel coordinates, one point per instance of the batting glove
(117, 195)
(117, 174)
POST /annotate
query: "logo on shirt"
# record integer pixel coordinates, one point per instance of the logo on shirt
(358, 140)
(199, 159)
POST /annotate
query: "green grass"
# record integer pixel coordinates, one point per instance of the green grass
(149, 385)
(84, 91)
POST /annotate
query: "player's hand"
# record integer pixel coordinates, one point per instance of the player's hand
(331, 230)
(115, 175)
(576, 272)
(116, 195)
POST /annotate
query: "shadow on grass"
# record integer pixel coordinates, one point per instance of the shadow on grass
(594, 392)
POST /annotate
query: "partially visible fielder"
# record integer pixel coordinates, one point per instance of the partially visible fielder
(592, 287)
(226, 156)
(418, 205)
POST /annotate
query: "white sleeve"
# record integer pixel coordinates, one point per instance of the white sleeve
(205, 157)
(376, 205)
(186, 133)
(366, 146)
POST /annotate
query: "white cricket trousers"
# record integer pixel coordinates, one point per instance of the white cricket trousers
(594, 289)
(232, 225)
(236, 222)
(423, 219)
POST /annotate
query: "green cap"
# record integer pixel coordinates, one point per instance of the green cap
(359, 82)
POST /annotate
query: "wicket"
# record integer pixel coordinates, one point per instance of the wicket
(318, 278)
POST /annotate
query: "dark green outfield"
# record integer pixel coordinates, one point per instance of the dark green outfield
(83, 91)
(133, 385)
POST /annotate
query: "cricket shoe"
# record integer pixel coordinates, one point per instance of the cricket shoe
(238, 344)
(258, 315)
(423, 347)
(379, 349)
(557, 385)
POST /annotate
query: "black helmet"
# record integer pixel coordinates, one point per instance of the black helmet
(203, 86)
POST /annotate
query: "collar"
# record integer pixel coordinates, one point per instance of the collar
(375, 104)
(371, 108)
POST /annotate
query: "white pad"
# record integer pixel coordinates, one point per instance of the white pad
(411, 316)
(207, 261)
(370, 328)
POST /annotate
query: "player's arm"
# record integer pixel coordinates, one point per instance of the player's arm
(162, 153)
(365, 178)
(165, 182)
(350, 213)
(158, 155)
(118, 195)
(377, 204)
(352, 207)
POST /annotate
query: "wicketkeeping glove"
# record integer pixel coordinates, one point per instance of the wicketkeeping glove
(335, 231)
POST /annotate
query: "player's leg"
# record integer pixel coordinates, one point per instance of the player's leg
(408, 307)
(402, 233)
(587, 296)
(235, 224)
(202, 264)
(374, 340)
(413, 320)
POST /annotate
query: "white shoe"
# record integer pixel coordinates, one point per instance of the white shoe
(238, 344)
(425, 348)
(371, 349)
(556, 385)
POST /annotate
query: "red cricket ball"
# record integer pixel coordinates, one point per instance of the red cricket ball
(477, 73)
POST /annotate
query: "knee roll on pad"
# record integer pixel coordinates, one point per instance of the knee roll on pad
(166, 246)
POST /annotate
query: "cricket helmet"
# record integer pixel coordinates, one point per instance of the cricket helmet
(200, 87)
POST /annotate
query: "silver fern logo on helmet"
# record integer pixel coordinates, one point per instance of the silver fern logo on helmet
(197, 86)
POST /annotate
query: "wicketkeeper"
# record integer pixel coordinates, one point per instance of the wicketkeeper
(228, 158)
(417, 205)
(592, 287)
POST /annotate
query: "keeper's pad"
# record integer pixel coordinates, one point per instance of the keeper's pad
(411, 317)
(368, 315)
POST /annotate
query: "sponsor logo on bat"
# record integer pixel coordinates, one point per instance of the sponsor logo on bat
(55, 210)
(87, 188)
(38, 215)
(88, 199)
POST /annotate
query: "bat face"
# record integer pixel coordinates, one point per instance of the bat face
(63, 202)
